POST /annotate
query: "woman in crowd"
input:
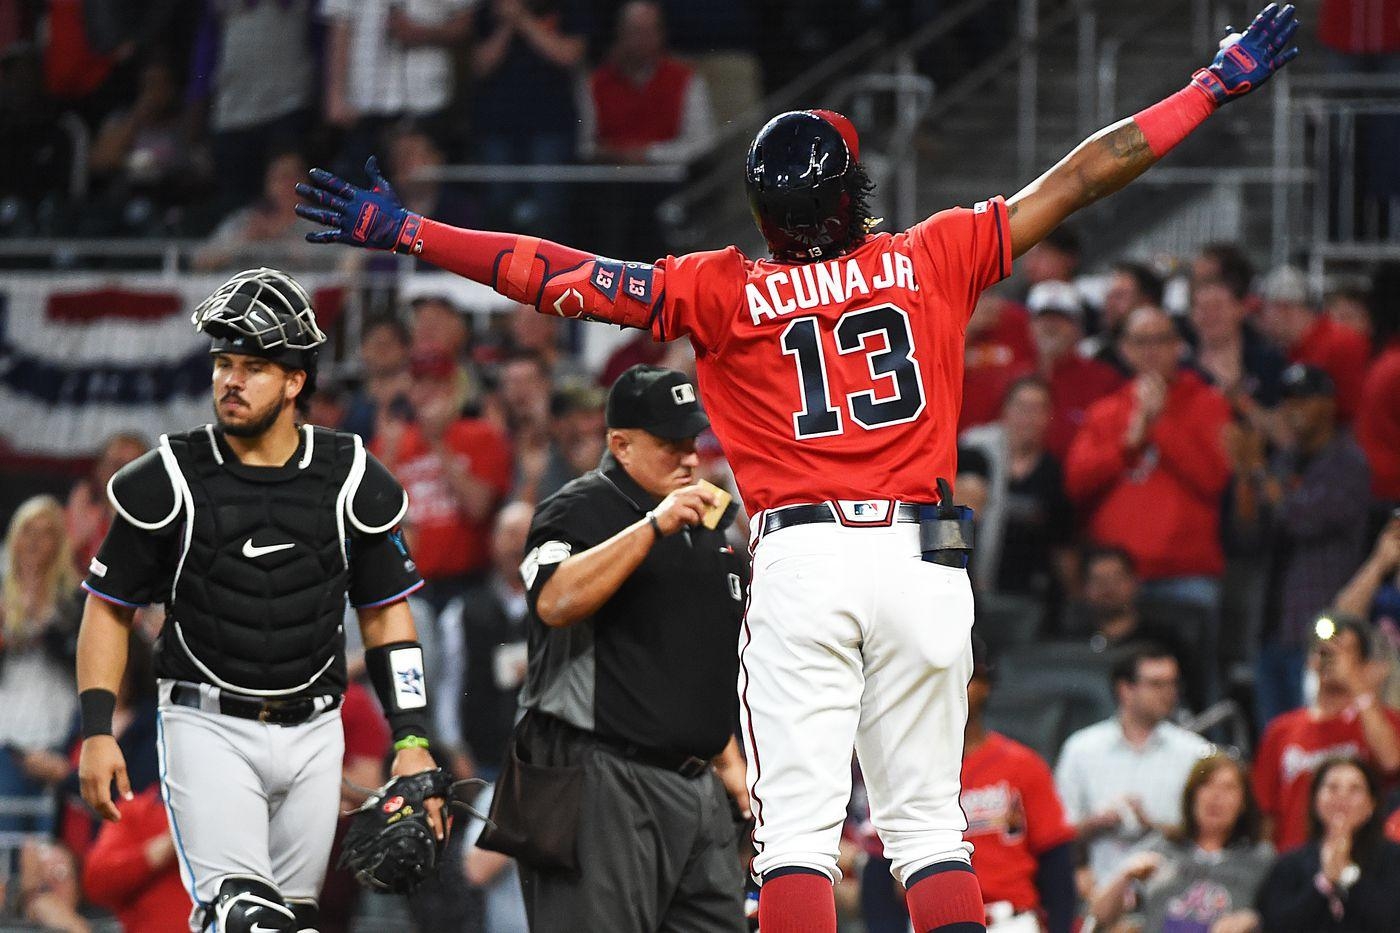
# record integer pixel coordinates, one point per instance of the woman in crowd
(1204, 877)
(39, 609)
(1346, 877)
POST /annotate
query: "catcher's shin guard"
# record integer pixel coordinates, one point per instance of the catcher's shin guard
(248, 904)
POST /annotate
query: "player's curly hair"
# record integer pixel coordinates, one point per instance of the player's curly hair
(859, 188)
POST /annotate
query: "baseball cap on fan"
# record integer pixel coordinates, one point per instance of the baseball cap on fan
(659, 401)
(1055, 298)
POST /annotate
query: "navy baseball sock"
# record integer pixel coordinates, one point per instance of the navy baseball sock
(945, 898)
(796, 900)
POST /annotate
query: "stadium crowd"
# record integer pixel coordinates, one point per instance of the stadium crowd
(1184, 712)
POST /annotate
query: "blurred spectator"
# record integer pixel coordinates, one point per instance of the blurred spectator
(1057, 318)
(1116, 619)
(132, 869)
(1345, 718)
(267, 231)
(413, 151)
(643, 106)
(545, 335)
(1374, 592)
(1306, 514)
(1349, 306)
(1378, 421)
(440, 329)
(37, 156)
(1346, 878)
(1053, 259)
(999, 348)
(255, 68)
(1016, 823)
(1130, 286)
(455, 470)
(522, 406)
(1308, 336)
(328, 405)
(1025, 530)
(1122, 778)
(1363, 29)
(388, 59)
(581, 434)
(1149, 465)
(638, 350)
(492, 621)
(1236, 358)
(384, 373)
(493, 874)
(1224, 264)
(647, 106)
(1203, 876)
(49, 893)
(527, 50)
(89, 512)
(39, 610)
(143, 162)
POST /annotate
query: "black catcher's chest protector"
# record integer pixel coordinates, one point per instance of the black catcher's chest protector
(259, 595)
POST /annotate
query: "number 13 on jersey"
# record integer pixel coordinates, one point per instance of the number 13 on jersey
(896, 395)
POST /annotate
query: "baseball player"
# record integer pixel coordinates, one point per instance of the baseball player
(252, 531)
(832, 372)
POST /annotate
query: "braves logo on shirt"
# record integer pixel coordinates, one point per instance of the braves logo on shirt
(995, 809)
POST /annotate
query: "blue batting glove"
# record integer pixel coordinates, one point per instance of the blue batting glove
(1246, 61)
(372, 218)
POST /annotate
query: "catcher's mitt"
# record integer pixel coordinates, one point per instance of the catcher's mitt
(390, 845)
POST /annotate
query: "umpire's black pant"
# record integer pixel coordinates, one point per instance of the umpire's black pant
(656, 853)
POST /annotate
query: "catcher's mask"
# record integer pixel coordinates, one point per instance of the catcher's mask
(263, 312)
(806, 187)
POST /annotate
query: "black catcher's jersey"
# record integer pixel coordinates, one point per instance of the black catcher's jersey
(255, 564)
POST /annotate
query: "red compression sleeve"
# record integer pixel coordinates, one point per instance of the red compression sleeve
(1169, 121)
(554, 279)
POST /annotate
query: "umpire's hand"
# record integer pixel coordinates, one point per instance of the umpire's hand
(684, 507)
(100, 763)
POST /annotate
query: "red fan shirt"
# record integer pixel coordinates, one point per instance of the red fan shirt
(1014, 816)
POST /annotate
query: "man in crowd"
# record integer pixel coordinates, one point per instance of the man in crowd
(1131, 285)
(1306, 335)
(1057, 324)
(1346, 717)
(1149, 465)
(1121, 778)
(1306, 513)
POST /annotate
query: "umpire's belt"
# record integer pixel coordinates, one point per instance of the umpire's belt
(278, 712)
(688, 766)
(789, 515)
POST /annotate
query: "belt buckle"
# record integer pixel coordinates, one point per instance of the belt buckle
(692, 767)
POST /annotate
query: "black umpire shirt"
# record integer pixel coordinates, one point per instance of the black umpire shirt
(657, 665)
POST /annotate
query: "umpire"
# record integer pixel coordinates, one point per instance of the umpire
(613, 795)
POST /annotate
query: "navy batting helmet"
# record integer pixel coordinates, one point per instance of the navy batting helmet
(806, 187)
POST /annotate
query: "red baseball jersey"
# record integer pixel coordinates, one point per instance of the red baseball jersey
(839, 379)
(1014, 816)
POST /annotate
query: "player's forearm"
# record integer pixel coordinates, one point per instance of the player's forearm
(585, 581)
(1356, 597)
(385, 625)
(552, 278)
(102, 642)
(1380, 736)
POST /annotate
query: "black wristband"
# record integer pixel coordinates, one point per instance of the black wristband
(396, 672)
(655, 525)
(97, 705)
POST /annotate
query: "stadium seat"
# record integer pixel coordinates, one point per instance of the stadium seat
(1005, 622)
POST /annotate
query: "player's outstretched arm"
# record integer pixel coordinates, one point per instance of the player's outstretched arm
(554, 279)
(1117, 154)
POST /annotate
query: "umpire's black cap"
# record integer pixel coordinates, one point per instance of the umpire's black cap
(657, 400)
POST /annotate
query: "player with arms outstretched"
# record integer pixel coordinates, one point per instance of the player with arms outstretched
(832, 373)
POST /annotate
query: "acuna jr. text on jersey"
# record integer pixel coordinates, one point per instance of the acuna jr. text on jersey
(800, 288)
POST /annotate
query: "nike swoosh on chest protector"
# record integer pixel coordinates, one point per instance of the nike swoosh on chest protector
(251, 550)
